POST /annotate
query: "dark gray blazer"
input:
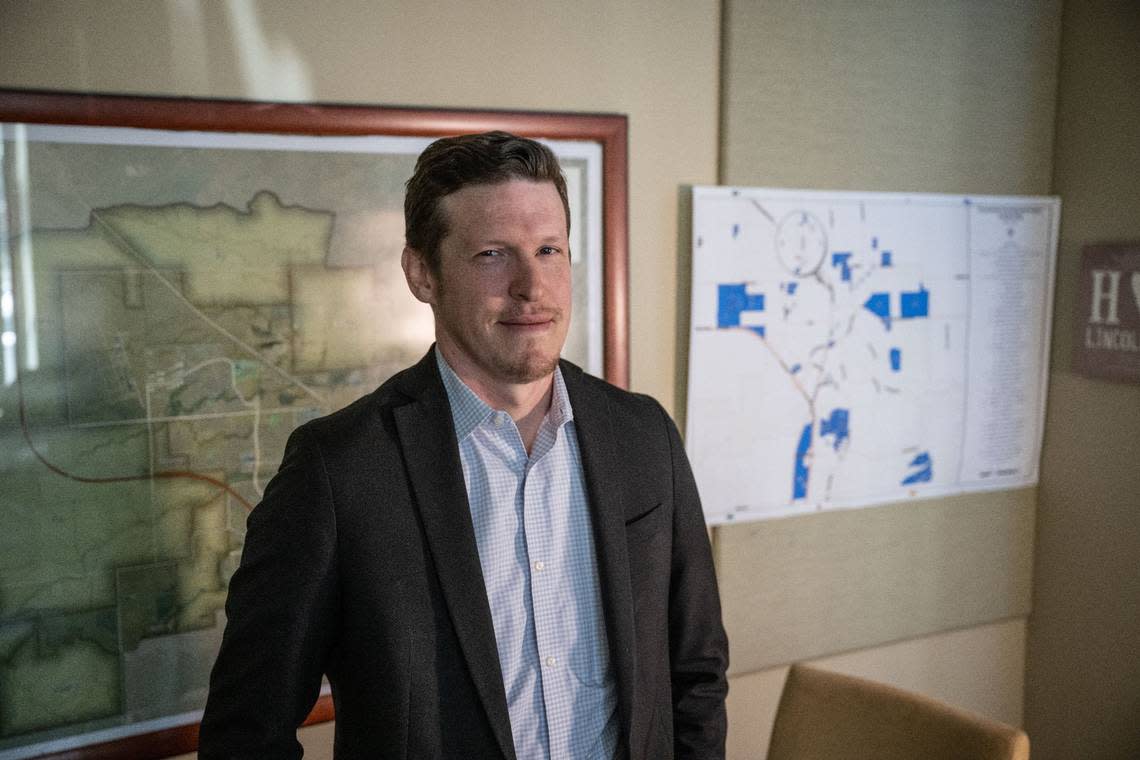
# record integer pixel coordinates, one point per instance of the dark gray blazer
(360, 562)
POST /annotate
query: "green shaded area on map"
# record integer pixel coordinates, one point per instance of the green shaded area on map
(178, 347)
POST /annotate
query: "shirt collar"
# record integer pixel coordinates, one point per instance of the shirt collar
(468, 411)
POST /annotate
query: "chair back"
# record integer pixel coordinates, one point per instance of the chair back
(828, 716)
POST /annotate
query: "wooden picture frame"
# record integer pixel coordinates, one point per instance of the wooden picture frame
(224, 117)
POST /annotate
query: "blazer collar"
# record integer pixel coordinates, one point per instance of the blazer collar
(427, 437)
(602, 463)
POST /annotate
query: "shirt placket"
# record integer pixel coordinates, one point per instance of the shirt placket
(545, 603)
(517, 650)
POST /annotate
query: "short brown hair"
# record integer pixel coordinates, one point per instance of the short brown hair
(452, 163)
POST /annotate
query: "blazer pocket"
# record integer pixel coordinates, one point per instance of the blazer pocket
(650, 529)
(647, 514)
(649, 541)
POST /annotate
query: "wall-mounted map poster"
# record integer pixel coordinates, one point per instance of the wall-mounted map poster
(175, 302)
(849, 349)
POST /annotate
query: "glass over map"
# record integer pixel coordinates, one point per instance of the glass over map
(174, 304)
(849, 349)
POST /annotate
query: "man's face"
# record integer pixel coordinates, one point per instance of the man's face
(502, 295)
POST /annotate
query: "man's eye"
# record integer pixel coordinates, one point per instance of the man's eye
(547, 250)
(490, 252)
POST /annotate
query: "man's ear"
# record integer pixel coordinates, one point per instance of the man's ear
(421, 280)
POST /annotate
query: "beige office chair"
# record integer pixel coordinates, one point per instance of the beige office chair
(828, 716)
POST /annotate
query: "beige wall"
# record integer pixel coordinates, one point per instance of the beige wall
(917, 95)
(1082, 694)
(923, 96)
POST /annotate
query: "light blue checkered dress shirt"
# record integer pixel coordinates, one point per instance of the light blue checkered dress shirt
(536, 548)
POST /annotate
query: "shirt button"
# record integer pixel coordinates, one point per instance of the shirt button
(540, 566)
(499, 419)
(551, 662)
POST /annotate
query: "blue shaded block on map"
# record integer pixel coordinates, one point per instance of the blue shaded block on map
(796, 368)
(879, 304)
(736, 230)
(885, 259)
(758, 329)
(733, 299)
(839, 259)
(836, 425)
(874, 243)
(922, 470)
(896, 359)
(915, 303)
(800, 481)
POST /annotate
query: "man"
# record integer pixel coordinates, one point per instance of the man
(493, 555)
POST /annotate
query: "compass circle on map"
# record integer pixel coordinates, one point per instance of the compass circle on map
(801, 243)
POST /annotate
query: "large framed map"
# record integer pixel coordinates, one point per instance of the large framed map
(850, 349)
(183, 282)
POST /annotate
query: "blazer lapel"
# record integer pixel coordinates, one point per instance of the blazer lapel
(601, 463)
(427, 437)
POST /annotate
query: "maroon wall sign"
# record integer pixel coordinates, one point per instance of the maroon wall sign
(1108, 318)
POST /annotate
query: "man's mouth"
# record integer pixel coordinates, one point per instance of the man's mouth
(528, 321)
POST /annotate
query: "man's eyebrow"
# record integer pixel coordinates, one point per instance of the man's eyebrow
(558, 241)
(491, 243)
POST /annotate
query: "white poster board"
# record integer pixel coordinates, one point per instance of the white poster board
(849, 349)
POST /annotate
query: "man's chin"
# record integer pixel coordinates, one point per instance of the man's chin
(526, 369)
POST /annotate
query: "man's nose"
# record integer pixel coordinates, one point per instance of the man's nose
(527, 279)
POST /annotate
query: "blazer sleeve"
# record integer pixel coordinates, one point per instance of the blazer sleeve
(698, 646)
(281, 615)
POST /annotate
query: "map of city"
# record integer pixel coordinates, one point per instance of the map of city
(193, 305)
(839, 353)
